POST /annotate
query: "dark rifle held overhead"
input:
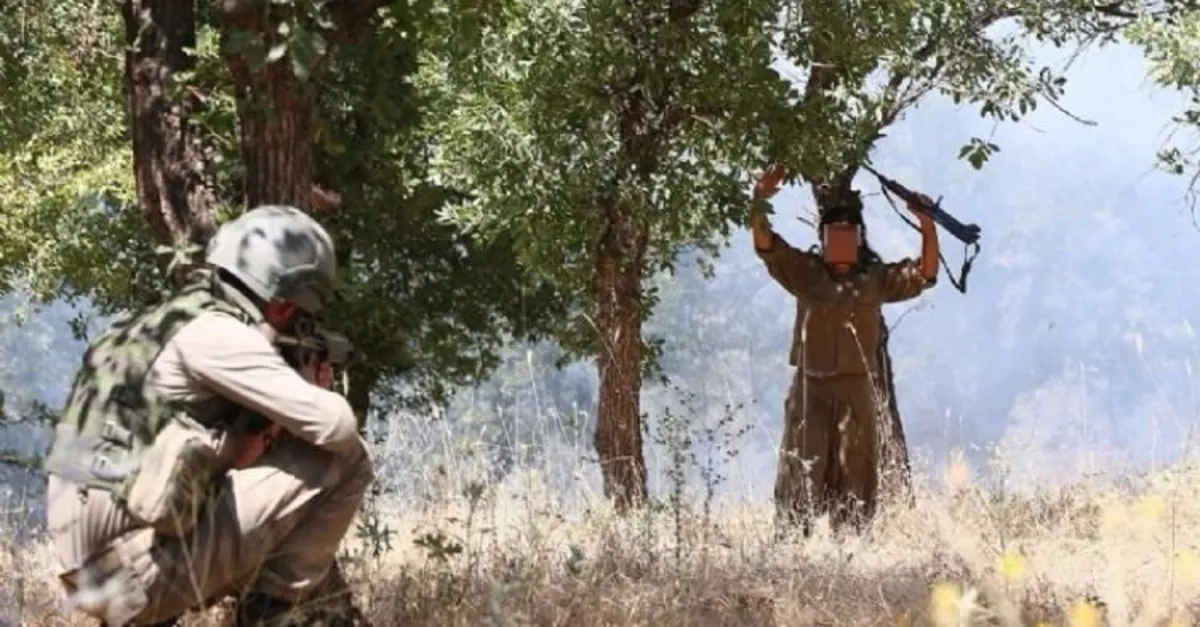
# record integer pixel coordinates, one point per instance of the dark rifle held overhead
(968, 234)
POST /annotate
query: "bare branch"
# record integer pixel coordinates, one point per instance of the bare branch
(323, 199)
(1115, 9)
(1063, 110)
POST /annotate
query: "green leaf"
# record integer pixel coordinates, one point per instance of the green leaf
(277, 52)
(307, 48)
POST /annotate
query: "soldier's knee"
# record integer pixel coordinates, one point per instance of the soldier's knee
(358, 466)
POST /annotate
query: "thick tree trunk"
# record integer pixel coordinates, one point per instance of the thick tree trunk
(895, 470)
(176, 202)
(278, 117)
(277, 108)
(620, 260)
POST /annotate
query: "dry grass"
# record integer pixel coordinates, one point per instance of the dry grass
(528, 558)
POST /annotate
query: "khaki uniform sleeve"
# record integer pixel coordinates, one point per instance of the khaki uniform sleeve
(236, 361)
(792, 268)
(902, 280)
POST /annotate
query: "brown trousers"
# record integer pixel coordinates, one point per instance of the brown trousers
(274, 528)
(828, 458)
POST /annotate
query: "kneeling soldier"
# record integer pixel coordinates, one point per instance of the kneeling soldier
(160, 499)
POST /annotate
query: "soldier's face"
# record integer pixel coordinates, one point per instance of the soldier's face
(840, 243)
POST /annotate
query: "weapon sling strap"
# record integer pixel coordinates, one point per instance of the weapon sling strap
(970, 251)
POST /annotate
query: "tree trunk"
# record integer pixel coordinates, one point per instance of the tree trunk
(620, 259)
(278, 109)
(359, 395)
(177, 204)
(895, 470)
(277, 112)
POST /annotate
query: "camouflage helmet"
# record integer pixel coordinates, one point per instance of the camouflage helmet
(279, 253)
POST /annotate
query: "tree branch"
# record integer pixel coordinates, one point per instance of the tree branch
(680, 10)
(1115, 9)
(351, 16)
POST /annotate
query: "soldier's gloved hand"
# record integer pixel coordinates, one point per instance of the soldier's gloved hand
(319, 374)
(251, 447)
(922, 205)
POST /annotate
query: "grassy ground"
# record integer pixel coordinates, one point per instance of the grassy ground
(1089, 554)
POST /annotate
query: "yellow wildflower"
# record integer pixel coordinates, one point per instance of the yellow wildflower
(1083, 614)
(943, 605)
(1187, 565)
(1011, 565)
(1151, 508)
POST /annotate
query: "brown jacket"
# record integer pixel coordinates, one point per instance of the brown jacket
(837, 328)
(215, 353)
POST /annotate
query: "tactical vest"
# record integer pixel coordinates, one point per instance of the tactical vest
(110, 434)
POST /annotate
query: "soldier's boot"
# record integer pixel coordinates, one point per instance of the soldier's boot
(331, 605)
(333, 601)
(259, 610)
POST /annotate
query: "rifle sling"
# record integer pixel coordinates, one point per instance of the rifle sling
(969, 255)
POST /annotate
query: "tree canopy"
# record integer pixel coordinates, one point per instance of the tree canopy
(612, 136)
(427, 306)
(559, 110)
(1170, 36)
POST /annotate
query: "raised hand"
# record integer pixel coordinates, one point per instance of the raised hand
(920, 204)
(768, 183)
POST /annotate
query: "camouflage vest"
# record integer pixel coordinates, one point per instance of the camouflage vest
(111, 417)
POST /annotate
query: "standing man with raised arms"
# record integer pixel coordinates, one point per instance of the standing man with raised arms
(828, 459)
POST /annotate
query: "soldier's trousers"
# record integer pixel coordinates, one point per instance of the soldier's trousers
(274, 528)
(827, 460)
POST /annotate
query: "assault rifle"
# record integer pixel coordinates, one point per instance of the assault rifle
(306, 342)
(303, 344)
(968, 234)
